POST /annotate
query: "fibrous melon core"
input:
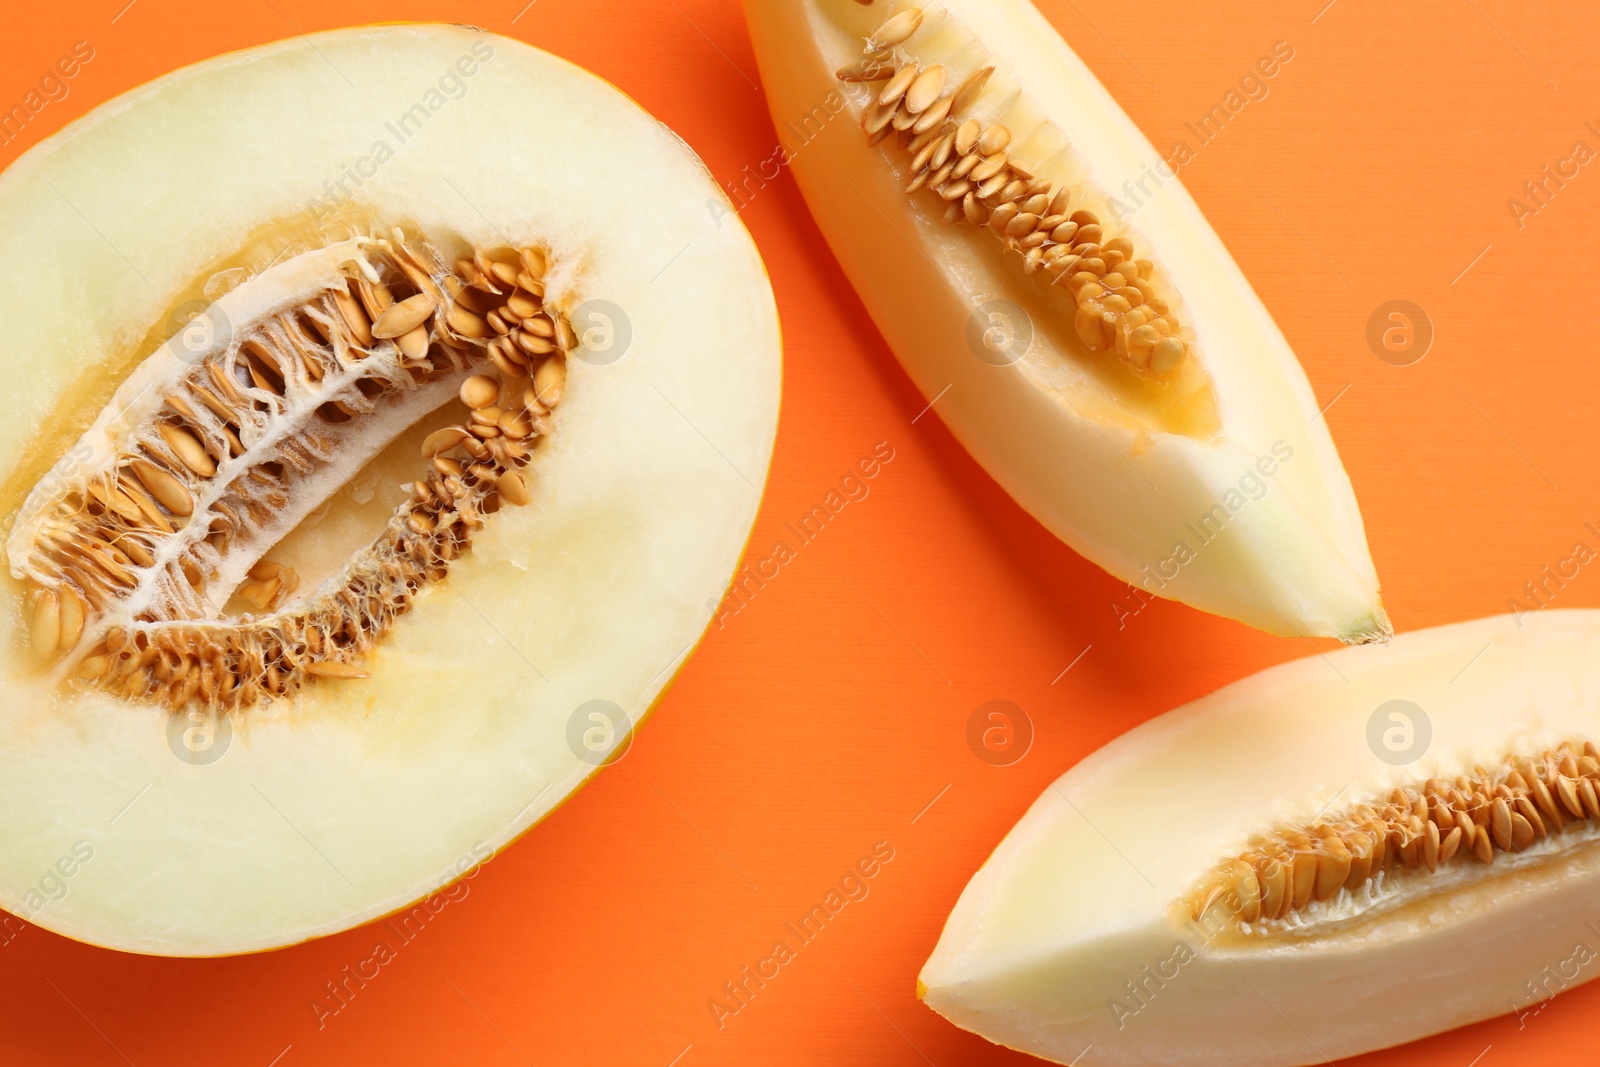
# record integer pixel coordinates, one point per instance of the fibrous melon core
(159, 518)
(1423, 838)
(1028, 191)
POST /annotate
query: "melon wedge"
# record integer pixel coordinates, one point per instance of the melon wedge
(372, 453)
(1333, 856)
(1063, 305)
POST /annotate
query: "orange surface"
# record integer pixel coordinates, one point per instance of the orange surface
(831, 712)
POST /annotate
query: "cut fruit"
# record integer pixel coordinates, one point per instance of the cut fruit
(349, 534)
(1065, 307)
(1334, 856)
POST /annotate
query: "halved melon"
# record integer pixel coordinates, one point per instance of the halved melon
(373, 453)
(1333, 856)
(1061, 302)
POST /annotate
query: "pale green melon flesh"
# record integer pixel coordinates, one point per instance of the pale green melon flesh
(359, 797)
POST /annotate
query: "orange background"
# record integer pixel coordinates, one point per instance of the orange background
(832, 711)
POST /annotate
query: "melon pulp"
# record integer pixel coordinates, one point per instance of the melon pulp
(1130, 909)
(586, 511)
(1183, 451)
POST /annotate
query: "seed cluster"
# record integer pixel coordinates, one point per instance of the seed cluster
(1120, 306)
(159, 519)
(1426, 826)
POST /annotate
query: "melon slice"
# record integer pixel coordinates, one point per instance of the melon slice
(373, 455)
(1333, 856)
(1063, 305)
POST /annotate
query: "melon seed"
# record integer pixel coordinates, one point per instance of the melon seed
(896, 31)
(479, 391)
(403, 317)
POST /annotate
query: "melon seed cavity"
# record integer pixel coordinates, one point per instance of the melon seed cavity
(1382, 853)
(200, 465)
(1123, 304)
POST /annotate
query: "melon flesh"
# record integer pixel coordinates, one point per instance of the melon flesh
(1077, 933)
(356, 798)
(1220, 488)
